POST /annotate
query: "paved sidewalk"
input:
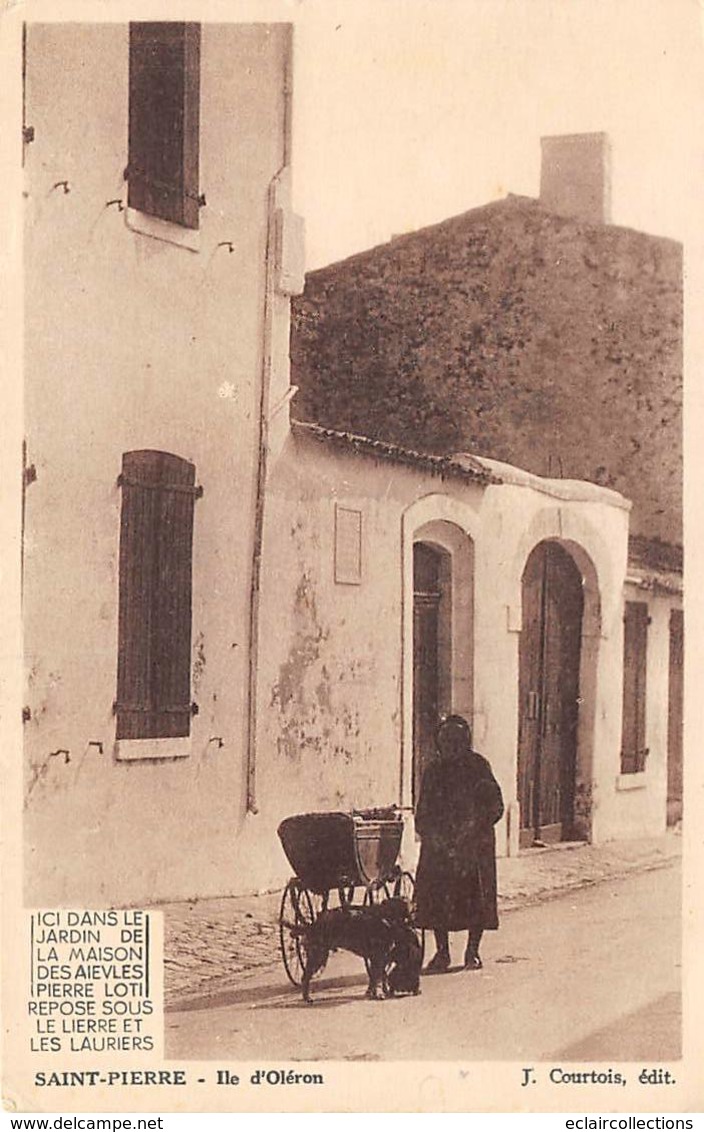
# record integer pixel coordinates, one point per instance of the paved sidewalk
(211, 944)
(539, 874)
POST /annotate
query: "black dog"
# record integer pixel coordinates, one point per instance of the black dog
(381, 934)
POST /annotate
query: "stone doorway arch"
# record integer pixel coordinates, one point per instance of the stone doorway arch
(557, 673)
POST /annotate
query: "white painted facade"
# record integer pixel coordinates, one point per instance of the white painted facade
(347, 653)
(167, 341)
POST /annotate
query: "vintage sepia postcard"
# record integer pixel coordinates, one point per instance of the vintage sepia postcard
(352, 349)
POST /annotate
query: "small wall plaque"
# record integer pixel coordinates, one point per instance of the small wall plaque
(348, 546)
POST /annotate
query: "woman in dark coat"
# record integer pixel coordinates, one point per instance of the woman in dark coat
(460, 802)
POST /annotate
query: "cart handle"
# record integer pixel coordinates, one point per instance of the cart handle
(391, 806)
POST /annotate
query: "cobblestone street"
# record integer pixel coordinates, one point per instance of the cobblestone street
(210, 944)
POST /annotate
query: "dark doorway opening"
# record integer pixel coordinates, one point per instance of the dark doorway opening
(431, 581)
(549, 668)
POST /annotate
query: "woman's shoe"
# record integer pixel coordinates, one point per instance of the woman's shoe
(439, 964)
(472, 962)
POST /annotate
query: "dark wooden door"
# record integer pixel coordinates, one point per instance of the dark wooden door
(675, 718)
(426, 680)
(549, 660)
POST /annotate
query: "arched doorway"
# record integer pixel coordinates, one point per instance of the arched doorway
(431, 650)
(549, 694)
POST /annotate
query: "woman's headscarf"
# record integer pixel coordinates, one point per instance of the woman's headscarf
(454, 736)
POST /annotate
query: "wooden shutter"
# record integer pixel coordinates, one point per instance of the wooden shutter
(154, 644)
(675, 718)
(635, 656)
(164, 115)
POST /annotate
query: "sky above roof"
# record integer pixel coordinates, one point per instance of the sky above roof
(410, 111)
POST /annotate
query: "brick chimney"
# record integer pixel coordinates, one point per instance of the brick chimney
(575, 176)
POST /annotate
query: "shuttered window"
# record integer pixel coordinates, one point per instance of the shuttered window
(164, 121)
(635, 656)
(154, 636)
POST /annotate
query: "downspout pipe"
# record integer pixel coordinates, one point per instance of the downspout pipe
(251, 806)
(259, 504)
